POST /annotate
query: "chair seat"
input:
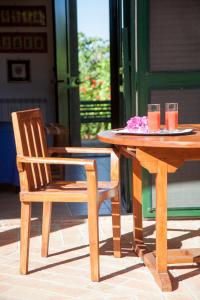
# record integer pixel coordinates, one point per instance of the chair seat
(58, 191)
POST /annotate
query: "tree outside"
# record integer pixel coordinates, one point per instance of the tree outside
(94, 67)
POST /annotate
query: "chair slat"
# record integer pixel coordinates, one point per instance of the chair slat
(40, 151)
(32, 153)
(44, 151)
(26, 178)
(37, 150)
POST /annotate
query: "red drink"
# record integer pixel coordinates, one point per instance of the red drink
(171, 120)
(154, 120)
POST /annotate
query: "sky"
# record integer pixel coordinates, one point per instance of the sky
(93, 17)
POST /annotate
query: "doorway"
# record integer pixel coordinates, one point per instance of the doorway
(83, 78)
(94, 68)
(83, 68)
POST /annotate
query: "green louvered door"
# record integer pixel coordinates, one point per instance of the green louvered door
(169, 71)
(129, 84)
(65, 14)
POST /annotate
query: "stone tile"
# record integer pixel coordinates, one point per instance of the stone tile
(59, 297)
(179, 296)
(4, 288)
(142, 285)
(148, 296)
(25, 293)
(118, 297)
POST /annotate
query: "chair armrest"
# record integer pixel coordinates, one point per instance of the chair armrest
(114, 153)
(79, 150)
(89, 164)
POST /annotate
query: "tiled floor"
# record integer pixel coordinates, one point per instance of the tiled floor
(65, 273)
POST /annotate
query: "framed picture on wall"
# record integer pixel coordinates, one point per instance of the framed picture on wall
(23, 15)
(18, 70)
(23, 42)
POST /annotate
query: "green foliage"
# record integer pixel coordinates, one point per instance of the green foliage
(90, 130)
(94, 67)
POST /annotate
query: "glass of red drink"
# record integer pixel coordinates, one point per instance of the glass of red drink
(154, 117)
(171, 116)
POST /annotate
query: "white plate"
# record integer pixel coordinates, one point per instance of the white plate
(160, 132)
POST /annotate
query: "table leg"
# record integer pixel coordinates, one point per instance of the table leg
(157, 262)
(137, 207)
(161, 217)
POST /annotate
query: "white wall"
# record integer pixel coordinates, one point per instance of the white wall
(41, 85)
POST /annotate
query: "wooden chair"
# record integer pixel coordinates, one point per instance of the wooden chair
(36, 185)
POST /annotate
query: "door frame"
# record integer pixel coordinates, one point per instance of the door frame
(66, 69)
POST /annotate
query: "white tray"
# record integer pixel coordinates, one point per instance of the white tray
(160, 132)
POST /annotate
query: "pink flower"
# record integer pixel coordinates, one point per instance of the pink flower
(137, 124)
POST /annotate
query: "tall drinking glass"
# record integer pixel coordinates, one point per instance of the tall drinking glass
(154, 117)
(171, 116)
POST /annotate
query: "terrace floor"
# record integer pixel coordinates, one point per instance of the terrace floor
(65, 273)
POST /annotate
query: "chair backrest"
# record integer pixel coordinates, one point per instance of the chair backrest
(30, 141)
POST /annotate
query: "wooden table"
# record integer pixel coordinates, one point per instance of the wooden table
(160, 155)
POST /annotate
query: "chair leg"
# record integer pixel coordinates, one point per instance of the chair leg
(94, 240)
(25, 236)
(46, 225)
(116, 226)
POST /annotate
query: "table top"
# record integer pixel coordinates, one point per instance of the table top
(173, 141)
